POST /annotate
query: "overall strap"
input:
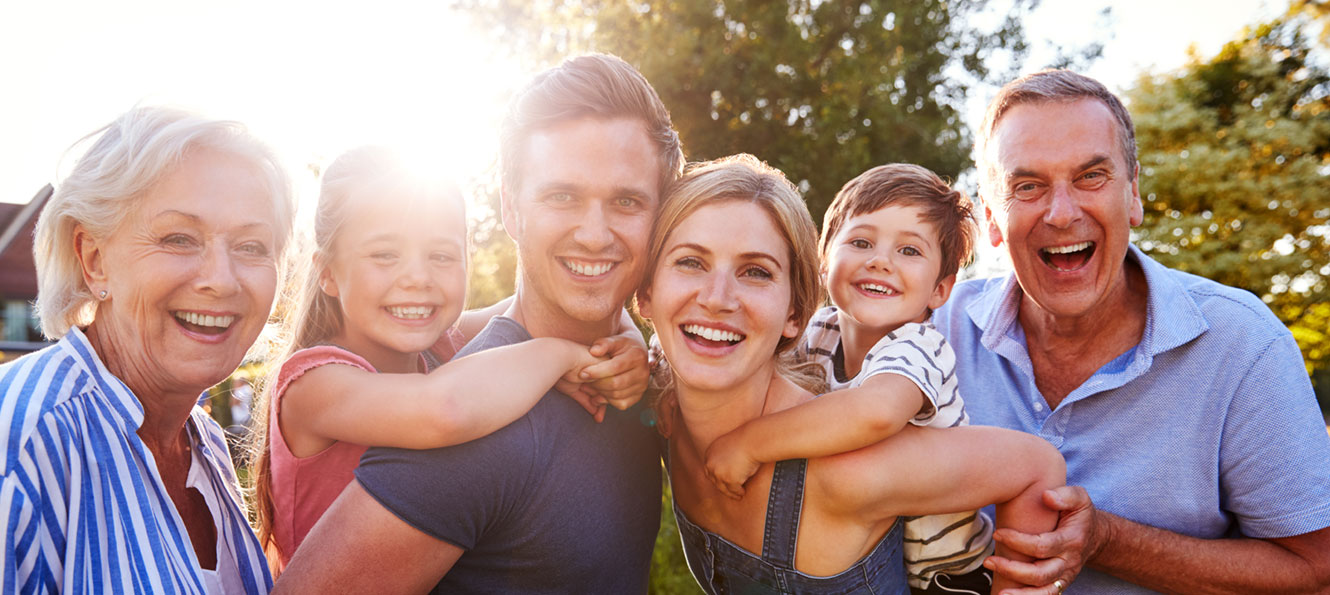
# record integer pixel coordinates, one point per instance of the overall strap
(784, 505)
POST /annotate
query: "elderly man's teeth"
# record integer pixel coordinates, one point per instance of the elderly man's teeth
(1068, 249)
(411, 312)
(197, 319)
(712, 334)
(875, 288)
(588, 270)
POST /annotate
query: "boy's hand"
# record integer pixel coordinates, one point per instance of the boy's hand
(729, 466)
(622, 378)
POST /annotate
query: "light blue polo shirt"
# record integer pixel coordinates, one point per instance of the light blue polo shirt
(1208, 427)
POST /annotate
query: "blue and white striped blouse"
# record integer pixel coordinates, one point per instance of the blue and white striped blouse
(83, 507)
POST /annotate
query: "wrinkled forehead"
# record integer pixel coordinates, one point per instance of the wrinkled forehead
(1042, 136)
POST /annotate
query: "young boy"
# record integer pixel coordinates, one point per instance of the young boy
(892, 242)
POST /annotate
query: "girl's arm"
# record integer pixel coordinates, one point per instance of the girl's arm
(619, 380)
(460, 401)
(836, 422)
(922, 471)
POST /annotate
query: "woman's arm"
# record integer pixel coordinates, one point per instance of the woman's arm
(836, 422)
(460, 401)
(922, 471)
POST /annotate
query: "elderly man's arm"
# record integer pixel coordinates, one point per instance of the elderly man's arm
(361, 547)
(1162, 560)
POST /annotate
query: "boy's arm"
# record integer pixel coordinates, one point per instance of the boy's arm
(836, 422)
(460, 401)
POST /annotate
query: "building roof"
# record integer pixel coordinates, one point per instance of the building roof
(18, 274)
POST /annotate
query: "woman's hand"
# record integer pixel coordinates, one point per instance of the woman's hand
(729, 465)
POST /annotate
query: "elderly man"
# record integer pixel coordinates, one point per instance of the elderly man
(553, 502)
(1181, 405)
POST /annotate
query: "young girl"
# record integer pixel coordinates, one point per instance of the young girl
(384, 289)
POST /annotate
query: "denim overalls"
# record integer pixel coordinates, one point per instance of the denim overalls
(721, 567)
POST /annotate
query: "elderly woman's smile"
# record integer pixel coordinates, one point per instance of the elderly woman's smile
(191, 274)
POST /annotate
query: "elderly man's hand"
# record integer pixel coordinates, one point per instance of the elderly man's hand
(1059, 554)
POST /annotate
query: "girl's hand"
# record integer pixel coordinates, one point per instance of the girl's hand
(729, 466)
(572, 385)
(622, 378)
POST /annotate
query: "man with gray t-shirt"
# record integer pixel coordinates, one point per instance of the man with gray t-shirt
(553, 502)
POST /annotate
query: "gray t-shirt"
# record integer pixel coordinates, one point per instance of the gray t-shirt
(551, 503)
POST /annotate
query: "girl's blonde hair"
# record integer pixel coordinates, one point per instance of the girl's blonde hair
(313, 317)
(745, 178)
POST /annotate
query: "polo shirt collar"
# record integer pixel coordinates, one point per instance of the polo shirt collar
(1172, 316)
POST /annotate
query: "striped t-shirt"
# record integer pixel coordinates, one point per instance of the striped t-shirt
(951, 543)
(83, 506)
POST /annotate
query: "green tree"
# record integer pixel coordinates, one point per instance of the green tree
(821, 90)
(1235, 157)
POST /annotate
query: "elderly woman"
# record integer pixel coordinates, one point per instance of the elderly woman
(157, 267)
(727, 308)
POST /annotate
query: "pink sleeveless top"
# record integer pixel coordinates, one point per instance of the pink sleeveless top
(304, 487)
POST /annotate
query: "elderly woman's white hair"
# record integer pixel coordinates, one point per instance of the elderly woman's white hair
(131, 154)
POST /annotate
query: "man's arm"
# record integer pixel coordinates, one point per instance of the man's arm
(1162, 560)
(360, 547)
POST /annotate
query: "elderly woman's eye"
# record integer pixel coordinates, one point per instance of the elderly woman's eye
(177, 239)
(254, 248)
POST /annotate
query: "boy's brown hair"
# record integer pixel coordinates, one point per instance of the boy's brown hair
(948, 210)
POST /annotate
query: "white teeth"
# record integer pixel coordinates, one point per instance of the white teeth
(712, 334)
(197, 319)
(875, 288)
(411, 312)
(1067, 249)
(588, 270)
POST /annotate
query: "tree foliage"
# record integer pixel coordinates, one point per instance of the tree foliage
(821, 90)
(1235, 157)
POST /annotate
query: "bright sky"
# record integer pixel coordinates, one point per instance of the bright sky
(315, 78)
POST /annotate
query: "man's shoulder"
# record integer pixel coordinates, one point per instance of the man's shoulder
(1213, 296)
(970, 299)
(499, 331)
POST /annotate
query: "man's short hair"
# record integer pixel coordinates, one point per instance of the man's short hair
(1047, 86)
(597, 86)
(947, 210)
